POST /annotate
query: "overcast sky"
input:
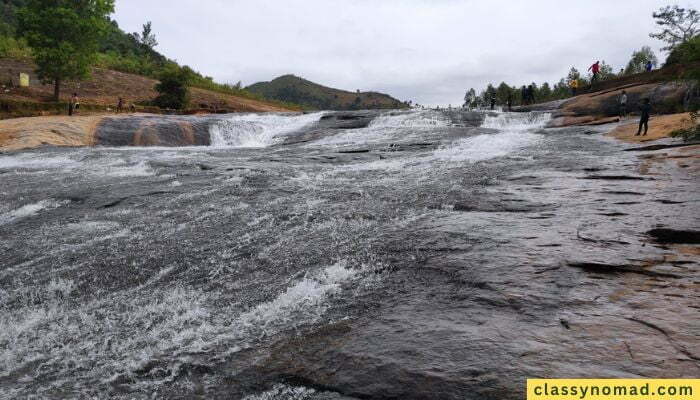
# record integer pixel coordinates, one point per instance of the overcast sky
(429, 51)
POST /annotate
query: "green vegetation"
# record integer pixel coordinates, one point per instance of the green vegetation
(172, 89)
(117, 50)
(681, 32)
(687, 54)
(639, 60)
(679, 25)
(692, 132)
(542, 93)
(290, 88)
(65, 37)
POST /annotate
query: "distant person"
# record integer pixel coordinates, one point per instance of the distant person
(649, 66)
(622, 72)
(493, 102)
(523, 95)
(120, 105)
(132, 108)
(645, 108)
(531, 94)
(623, 105)
(574, 86)
(509, 102)
(73, 104)
(595, 70)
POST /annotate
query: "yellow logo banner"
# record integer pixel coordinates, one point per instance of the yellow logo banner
(613, 389)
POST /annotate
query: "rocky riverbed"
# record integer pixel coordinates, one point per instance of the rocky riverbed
(394, 255)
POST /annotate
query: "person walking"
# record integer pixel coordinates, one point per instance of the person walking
(623, 105)
(649, 66)
(73, 104)
(645, 108)
(574, 86)
(595, 70)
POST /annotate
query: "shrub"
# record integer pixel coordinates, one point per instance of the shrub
(173, 88)
(11, 47)
(692, 132)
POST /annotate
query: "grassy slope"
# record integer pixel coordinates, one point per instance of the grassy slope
(106, 86)
(309, 94)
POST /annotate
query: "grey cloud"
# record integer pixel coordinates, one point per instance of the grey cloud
(427, 51)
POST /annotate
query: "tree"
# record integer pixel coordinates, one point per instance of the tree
(173, 88)
(469, 96)
(573, 74)
(639, 60)
(502, 93)
(488, 93)
(148, 38)
(688, 53)
(545, 92)
(606, 71)
(64, 36)
(678, 25)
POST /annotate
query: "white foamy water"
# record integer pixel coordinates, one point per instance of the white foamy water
(283, 392)
(305, 302)
(517, 121)
(29, 210)
(516, 132)
(388, 127)
(258, 130)
(36, 161)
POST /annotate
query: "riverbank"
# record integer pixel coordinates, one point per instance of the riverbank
(60, 131)
(101, 93)
(660, 127)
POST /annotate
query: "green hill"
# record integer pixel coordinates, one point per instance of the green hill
(292, 89)
(119, 51)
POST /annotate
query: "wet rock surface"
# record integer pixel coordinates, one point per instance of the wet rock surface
(413, 257)
(155, 130)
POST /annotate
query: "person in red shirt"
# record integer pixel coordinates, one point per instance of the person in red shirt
(595, 69)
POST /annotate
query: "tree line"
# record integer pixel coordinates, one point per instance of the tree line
(679, 30)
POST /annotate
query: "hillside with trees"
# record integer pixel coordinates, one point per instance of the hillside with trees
(293, 89)
(680, 28)
(95, 42)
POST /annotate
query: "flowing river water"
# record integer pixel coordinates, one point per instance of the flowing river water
(382, 255)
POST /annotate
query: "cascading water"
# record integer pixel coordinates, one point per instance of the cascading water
(517, 121)
(390, 126)
(516, 131)
(258, 130)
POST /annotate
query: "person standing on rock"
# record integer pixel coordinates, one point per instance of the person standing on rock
(523, 96)
(595, 70)
(645, 108)
(120, 105)
(73, 104)
(649, 66)
(574, 86)
(623, 105)
(493, 102)
(510, 101)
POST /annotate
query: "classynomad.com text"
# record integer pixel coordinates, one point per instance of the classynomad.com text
(613, 389)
